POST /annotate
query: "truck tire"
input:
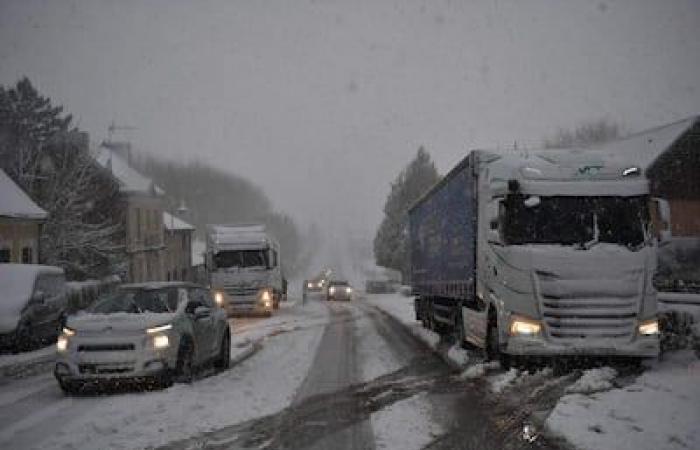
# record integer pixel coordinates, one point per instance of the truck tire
(459, 334)
(493, 346)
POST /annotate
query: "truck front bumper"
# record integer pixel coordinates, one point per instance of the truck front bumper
(246, 304)
(641, 347)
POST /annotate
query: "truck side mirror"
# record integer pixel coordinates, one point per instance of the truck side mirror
(663, 216)
(493, 234)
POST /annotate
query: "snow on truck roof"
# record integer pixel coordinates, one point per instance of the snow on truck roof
(245, 234)
(14, 202)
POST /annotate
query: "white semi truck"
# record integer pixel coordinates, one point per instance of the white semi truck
(538, 254)
(244, 268)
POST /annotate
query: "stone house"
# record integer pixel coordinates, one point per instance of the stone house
(20, 224)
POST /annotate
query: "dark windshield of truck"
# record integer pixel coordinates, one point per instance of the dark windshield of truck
(575, 220)
(241, 258)
(138, 301)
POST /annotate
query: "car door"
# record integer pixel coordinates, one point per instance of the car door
(42, 309)
(214, 332)
(200, 325)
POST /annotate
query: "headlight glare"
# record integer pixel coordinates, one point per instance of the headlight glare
(523, 326)
(161, 341)
(219, 298)
(266, 296)
(649, 327)
(68, 331)
(62, 343)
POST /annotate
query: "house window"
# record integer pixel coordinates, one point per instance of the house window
(27, 253)
(4, 255)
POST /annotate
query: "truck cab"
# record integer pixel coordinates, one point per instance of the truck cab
(244, 269)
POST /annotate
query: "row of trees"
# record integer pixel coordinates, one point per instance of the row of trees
(391, 246)
(50, 160)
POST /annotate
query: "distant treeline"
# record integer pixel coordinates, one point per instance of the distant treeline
(215, 196)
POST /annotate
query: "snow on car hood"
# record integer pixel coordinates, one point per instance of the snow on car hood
(118, 321)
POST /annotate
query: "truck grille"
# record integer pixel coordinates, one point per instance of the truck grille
(105, 347)
(240, 291)
(589, 308)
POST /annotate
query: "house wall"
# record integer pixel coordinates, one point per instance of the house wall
(178, 259)
(144, 238)
(685, 217)
(19, 240)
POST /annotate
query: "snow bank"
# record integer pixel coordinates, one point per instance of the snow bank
(407, 424)
(401, 309)
(501, 381)
(594, 380)
(659, 410)
(479, 370)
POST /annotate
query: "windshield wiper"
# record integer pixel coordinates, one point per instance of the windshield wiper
(596, 235)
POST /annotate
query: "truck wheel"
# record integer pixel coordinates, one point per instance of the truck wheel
(459, 334)
(493, 347)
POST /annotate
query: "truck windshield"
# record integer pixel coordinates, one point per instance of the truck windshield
(241, 258)
(576, 220)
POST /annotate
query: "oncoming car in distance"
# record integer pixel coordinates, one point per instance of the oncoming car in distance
(339, 290)
(151, 333)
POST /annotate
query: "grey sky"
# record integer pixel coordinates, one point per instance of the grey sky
(322, 102)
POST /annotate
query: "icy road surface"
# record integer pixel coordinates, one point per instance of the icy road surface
(315, 376)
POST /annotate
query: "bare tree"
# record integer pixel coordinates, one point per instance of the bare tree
(587, 134)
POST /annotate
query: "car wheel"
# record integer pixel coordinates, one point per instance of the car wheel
(223, 362)
(70, 387)
(23, 340)
(185, 364)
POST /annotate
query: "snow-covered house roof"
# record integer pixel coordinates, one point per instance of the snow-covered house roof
(128, 178)
(644, 148)
(172, 223)
(15, 203)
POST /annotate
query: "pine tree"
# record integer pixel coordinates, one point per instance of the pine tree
(391, 240)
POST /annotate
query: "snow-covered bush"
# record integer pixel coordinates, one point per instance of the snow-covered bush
(676, 330)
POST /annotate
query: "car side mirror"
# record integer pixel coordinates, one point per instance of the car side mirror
(201, 312)
(493, 234)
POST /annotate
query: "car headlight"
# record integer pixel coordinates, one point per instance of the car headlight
(219, 298)
(348, 290)
(649, 327)
(161, 341)
(62, 343)
(68, 331)
(159, 328)
(309, 285)
(523, 326)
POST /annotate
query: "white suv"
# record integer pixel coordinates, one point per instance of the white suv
(151, 331)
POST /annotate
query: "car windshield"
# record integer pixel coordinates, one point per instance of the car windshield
(576, 220)
(241, 258)
(138, 301)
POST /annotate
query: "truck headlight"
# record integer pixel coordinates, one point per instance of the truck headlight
(68, 331)
(265, 295)
(331, 290)
(309, 285)
(161, 341)
(524, 327)
(649, 327)
(219, 298)
(348, 290)
(62, 343)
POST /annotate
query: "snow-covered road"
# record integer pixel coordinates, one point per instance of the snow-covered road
(320, 375)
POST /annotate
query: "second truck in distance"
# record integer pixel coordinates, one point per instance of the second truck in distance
(244, 269)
